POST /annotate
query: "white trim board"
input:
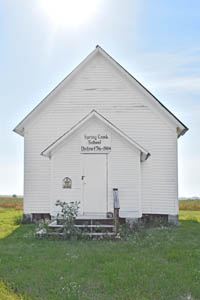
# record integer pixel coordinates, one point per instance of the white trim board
(94, 114)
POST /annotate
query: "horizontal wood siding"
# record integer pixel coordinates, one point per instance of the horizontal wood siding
(123, 171)
(66, 162)
(101, 87)
(37, 177)
(124, 174)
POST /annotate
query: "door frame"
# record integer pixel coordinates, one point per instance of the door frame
(82, 181)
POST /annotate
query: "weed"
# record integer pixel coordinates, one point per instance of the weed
(17, 220)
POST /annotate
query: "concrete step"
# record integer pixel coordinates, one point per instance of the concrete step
(94, 221)
(95, 226)
(91, 228)
(83, 226)
(99, 233)
(91, 234)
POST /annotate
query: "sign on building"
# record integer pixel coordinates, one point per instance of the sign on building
(96, 143)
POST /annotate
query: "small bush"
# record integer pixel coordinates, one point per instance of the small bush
(67, 217)
(126, 230)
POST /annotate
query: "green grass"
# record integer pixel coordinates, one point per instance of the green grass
(155, 264)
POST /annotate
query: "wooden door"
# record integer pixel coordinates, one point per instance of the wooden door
(94, 184)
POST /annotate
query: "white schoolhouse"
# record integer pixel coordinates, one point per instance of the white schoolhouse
(98, 130)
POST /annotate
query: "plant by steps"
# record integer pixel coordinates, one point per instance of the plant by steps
(67, 217)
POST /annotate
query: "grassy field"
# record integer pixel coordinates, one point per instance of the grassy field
(155, 264)
(16, 203)
(189, 205)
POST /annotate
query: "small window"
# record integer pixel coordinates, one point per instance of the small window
(67, 183)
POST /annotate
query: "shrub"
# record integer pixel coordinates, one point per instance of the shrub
(127, 230)
(67, 217)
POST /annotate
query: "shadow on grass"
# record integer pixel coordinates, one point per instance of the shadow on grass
(189, 222)
(7, 230)
(20, 232)
(189, 216)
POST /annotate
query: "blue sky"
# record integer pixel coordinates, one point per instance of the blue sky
(157, 41)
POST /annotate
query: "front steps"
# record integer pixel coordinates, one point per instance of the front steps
(102, 227)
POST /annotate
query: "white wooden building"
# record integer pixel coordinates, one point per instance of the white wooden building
(101, 129)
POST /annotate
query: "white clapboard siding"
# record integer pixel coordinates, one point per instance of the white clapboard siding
(101, 87)
(124, 174)
(123, 171)
(66, 162)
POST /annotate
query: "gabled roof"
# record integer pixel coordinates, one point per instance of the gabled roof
(94, 114)
(181, 128)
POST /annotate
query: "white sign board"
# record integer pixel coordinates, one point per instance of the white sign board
(96, 143)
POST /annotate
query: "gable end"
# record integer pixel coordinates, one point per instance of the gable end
(181, 128)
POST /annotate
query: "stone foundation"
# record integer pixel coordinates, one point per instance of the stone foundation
(132, 221)
(35, 218)
(173, 219)
(154, 219)
(27, 219)
(145, 219)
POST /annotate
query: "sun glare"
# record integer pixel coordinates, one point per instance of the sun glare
(69, 12)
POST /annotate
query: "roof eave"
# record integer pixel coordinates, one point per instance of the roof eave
(181, 132)
(19, 130)
(144, 156)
